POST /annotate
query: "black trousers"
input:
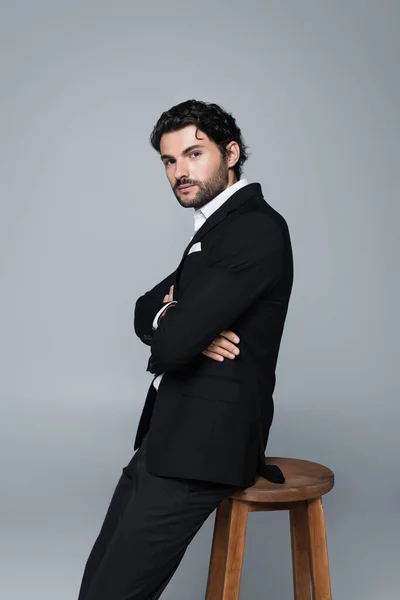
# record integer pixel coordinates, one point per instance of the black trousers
(147, 528)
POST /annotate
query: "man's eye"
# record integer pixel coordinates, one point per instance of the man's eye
(195, 152)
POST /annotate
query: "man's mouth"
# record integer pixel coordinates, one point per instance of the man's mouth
(186, 187)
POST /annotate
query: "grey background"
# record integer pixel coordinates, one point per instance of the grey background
(88, 223)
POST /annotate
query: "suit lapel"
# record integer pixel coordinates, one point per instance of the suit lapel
(233, 202)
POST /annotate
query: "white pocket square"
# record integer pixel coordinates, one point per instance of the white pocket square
(195, 248)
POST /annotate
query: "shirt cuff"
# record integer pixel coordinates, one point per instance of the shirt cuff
(155, 322)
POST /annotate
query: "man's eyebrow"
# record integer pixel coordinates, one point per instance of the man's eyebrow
(186, 151)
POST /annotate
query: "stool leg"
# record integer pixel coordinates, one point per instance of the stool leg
(320, 578)
(216, 571)
(234, 555)
(227, 552)
(300, 551)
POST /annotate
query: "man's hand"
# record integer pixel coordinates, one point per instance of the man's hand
(222, 346)
(167, 298)
(170, 296)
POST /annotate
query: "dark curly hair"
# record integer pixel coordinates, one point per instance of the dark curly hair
(219, 126)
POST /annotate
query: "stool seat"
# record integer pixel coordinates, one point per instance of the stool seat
(304, 480)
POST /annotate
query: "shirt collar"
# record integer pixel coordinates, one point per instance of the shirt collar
(201, 214)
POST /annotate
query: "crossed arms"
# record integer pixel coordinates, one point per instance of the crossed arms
(238, 270)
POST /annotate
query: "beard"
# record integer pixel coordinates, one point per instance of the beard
(207, 190)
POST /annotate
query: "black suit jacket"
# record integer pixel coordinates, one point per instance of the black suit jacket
(210, 420)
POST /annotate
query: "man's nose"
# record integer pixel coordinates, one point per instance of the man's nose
(181, 170)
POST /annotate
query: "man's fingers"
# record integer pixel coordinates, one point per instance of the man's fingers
(230, 335)
(170, 296)
(229, 352)
(213, 355)
(222, 342)
(222, 348)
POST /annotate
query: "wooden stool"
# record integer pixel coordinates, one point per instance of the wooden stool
(301, 494)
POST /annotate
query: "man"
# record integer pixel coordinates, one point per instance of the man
(214, 327)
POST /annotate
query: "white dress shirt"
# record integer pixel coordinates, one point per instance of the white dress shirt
(200, 217)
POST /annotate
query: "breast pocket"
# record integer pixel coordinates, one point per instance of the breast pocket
(213, 388)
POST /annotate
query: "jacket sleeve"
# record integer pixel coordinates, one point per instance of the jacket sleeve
(147, 306)
(238, 270)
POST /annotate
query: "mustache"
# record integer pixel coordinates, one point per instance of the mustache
(186, 183)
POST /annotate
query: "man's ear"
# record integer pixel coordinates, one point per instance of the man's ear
(233, 154)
